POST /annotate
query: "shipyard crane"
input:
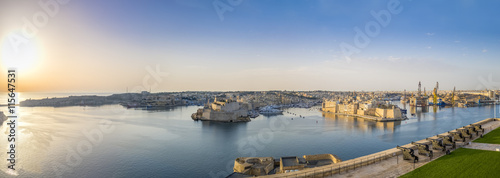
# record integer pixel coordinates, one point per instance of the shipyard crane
(435, 93)
(419, 88)
(404, 97)
(453, 97)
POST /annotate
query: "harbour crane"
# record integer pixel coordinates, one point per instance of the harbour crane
(435, 94)
(453, 97)
(419, 88)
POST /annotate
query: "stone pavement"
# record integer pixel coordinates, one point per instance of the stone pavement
(484, 146)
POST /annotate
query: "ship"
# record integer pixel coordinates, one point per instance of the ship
(270, 110)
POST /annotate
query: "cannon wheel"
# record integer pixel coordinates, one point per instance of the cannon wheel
(448, 152)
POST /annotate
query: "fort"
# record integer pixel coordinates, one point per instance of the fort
(260, 166)
(370, 111)
(223, 110)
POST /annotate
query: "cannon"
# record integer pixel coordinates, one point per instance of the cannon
(408, 154)
(423, 149)
(457, 136)
(479, 128)
(472, 130)
(448, 140)
(465, 133)
(438, 144)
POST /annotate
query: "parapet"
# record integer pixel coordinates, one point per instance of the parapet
(256, 166)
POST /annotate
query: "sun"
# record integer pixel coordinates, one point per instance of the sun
(19, 52)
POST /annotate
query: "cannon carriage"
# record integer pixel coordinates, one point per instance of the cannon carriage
(408, 154)
(472, 130)
(465, 133)
(457, 136)
(423, 149)
(479, 128)
(448, 140)
(438, 144)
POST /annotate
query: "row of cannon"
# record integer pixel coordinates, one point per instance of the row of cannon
(443, 142)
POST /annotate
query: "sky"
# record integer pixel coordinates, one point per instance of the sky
(227, 45)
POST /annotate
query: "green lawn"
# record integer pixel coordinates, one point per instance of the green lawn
(461, 163)
(491, 137)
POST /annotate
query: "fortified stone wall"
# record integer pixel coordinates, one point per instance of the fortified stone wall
(334, 158)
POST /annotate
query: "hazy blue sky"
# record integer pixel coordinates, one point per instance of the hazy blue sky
(106, 46)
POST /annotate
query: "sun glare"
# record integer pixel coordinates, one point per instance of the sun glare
(19, 52)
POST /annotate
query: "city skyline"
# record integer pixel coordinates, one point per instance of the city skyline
(199, 45)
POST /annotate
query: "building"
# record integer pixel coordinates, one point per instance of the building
(372, 108)
(224, 111)
(336, 107)
(259, 166)
(255, 166)
(390, 113)
(2, 117)
(492, 94)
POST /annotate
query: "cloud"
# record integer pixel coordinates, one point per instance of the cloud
(394, 59)
(429, 47)
(457, 41)
(485, 50)
(429, 34)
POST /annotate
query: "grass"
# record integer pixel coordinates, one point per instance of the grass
(461, 163)
(492, 137)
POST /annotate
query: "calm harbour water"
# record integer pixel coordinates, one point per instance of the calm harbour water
(170, 144)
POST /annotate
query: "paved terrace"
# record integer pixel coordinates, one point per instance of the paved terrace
(388, 163)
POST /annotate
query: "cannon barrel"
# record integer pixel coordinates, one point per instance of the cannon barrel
(465, 133)
(423, 149)
(437, 144)
(472, 130)
(448, 140)
(408, 154)
(457, 136)
(478, 127)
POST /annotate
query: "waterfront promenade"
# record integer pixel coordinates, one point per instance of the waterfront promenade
(387, 163)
